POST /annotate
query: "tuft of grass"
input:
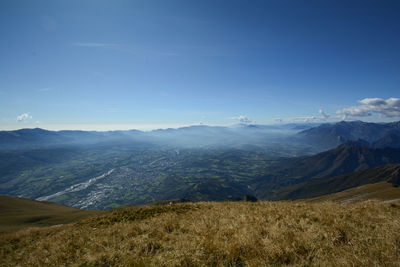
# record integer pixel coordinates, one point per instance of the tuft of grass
(136, 213)
(218, 234)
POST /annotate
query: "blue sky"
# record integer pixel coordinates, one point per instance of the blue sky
(150, 64)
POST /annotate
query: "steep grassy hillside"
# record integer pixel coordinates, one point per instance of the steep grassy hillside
(217, 234)
(382, 191)
(19, 213)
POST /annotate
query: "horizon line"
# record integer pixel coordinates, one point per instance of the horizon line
(152, 127)
(148, 129)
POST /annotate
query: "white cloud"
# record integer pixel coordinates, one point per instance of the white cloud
(387, 108)
(242, 119)
(23, 117)
(326, 116)
(373, 101)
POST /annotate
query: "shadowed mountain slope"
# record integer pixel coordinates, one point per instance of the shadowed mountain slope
(349, 157)
(318, 187)
(346, 158)
(390, 140)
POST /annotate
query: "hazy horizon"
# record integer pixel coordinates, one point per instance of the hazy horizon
(152, 127)
(141, 127)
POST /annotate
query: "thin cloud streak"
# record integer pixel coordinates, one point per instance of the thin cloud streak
(125, 49)
(47, 89)
(95, 45)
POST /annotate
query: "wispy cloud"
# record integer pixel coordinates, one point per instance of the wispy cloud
(96, 45)
(307, 119)
(23, 117)
(242, 119)
(134, 50)
(387, 108)
(47, 89)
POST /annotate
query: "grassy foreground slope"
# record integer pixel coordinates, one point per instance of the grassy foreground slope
(217, 234)
(18, 213)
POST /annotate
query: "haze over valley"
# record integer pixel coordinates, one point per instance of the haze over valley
(102, 170)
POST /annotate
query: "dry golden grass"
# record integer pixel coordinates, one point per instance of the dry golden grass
(218, 234)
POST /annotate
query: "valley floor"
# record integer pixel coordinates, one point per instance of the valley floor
(217, 234)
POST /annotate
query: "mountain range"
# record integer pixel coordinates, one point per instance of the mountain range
(332, 135)
(103, 170)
